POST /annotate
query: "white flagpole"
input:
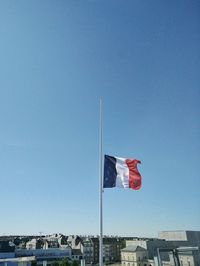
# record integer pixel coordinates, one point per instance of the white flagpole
(100, 191)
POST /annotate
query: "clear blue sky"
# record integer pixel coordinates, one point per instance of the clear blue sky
(57, 58)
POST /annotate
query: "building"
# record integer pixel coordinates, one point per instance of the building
(171, 247)
(7, 249)
(112, 249)
(47, 255)
(186, 239)
(35, 244)
(8, 255)
(24, 261)
(192, 238)
(83, 245)
(149, 244)
(95, 244)
(89, 247)
(134, 256)
(77, 254)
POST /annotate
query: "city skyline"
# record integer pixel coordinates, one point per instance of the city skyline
(57, 59)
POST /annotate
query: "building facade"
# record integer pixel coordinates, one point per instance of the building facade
(134, 256)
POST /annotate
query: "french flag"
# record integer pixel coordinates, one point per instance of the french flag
(121, 172)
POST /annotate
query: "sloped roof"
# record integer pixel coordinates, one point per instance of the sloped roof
(133, 249)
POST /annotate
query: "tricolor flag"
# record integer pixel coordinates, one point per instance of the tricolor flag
(121, 172)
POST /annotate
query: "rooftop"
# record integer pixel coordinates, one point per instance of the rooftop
(133, 249)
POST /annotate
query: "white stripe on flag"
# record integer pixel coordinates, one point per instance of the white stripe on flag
(122, 179)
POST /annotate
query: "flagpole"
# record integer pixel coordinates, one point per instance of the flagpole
(100, 191)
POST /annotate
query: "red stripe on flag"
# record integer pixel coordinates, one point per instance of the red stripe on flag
(135, 178)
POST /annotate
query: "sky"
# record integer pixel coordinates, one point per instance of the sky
(57, 59)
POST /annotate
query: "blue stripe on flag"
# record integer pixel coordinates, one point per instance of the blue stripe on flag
(110, 172)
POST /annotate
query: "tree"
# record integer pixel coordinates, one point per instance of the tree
(34, 263)
(54, 263)
(64, 262)
(75, 263)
